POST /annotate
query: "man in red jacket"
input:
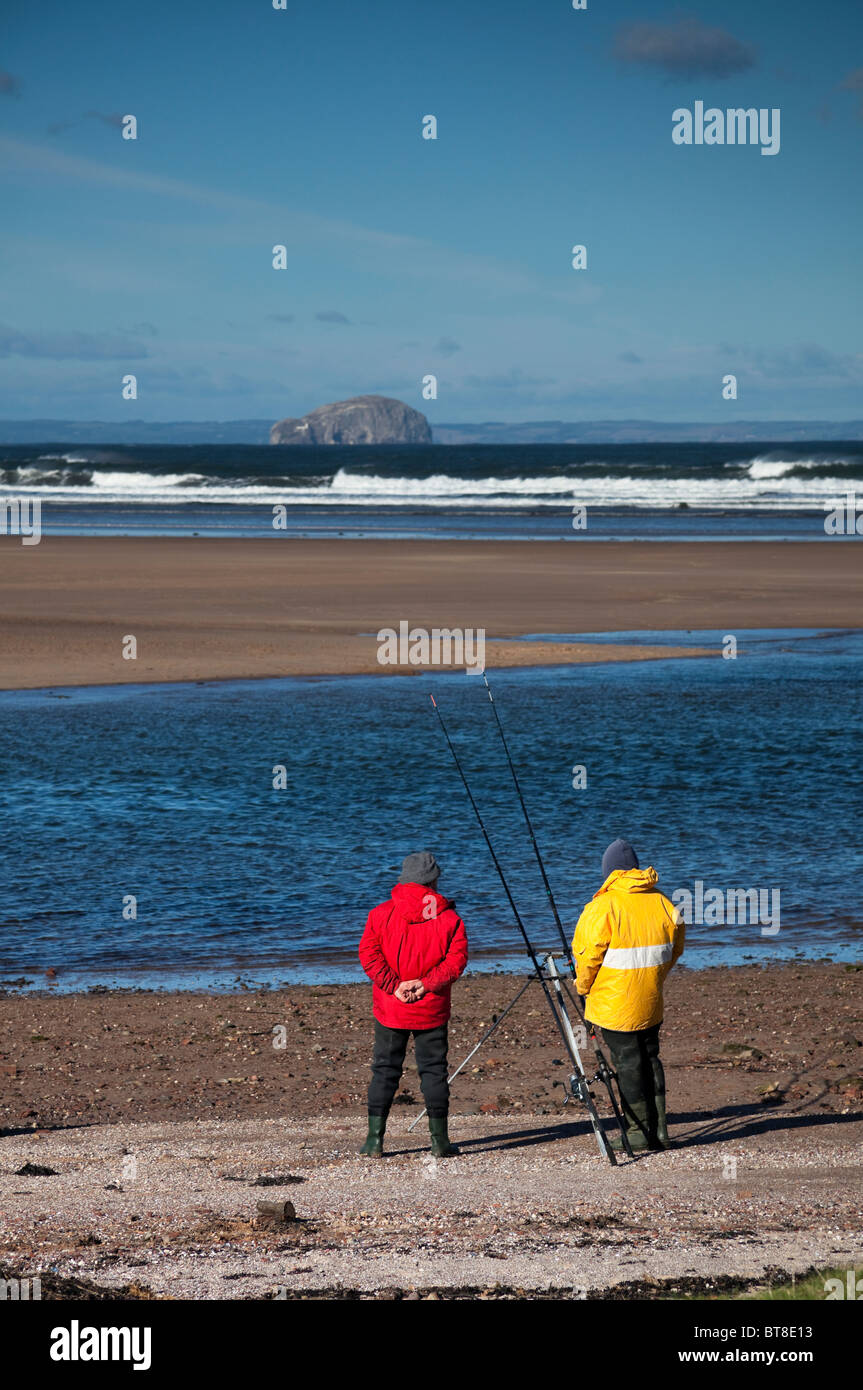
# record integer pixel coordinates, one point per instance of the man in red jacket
(413, 948)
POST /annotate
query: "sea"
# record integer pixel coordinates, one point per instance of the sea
(650, 492)
(235, 835)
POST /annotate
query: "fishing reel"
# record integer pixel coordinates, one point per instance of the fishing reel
(577, 1088)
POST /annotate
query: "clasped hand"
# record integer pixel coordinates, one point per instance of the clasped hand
(409, 991)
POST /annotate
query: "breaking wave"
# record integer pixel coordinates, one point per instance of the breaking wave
(766, 481)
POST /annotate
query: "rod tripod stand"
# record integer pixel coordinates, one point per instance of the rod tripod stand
(578, 1088)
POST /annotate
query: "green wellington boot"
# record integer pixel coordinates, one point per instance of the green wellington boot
(440, 1145)
(374, 1145)
(637, 1132)
(662, 1140)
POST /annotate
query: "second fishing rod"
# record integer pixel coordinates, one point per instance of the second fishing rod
(580, 1085)
(515, 912)
(528, 823)
(605, 1072)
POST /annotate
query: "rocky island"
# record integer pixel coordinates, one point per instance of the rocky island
(361, 420)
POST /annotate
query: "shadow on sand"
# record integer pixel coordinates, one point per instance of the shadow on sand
(713, 1127)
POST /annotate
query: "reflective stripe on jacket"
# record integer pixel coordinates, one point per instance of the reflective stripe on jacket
(627, 939)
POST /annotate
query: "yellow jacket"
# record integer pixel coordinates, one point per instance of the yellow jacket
(627, 939)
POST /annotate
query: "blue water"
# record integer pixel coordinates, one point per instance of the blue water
(743, 491)
(427, 523)
(740, 773)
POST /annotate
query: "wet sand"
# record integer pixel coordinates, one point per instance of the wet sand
(81, 1059)
(216, 609)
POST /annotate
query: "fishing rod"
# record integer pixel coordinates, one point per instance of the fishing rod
(579, 1083)
(606, 1073)
(501, 875)
(528, 823)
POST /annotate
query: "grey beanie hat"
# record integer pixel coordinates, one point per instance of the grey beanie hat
(619, 855)
(421, 868)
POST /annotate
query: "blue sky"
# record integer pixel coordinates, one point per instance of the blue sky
(408, 256)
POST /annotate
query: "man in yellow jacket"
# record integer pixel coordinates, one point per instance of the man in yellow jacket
(626, 941)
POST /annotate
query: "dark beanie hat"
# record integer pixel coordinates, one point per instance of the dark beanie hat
(420, 868)
(619, 855)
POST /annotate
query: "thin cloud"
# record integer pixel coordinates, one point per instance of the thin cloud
(447, 347)
(111, 118)
(42, 159)
(854, 83)
(331, 316)
(69, 345)
(281, 318)
(9, 85)
(685, 49)
(632, 357)
(513, 380)
(419, 256)
(802, 361)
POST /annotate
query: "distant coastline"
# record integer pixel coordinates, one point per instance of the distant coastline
(58, 431)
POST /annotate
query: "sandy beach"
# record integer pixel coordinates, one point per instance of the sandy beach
(205, 609)
(766, 1106)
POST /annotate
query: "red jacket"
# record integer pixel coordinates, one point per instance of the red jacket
(417, 935)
